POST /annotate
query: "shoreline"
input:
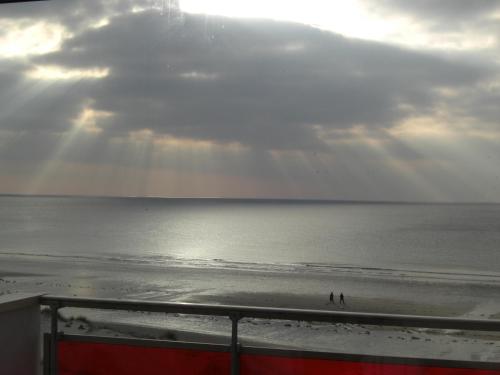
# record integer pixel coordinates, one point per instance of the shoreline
(382, 294)
(388, 295)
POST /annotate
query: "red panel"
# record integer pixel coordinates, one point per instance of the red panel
(85, 358)
(267, 365)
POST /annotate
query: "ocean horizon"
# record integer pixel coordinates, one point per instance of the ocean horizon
(253, 199)
(279, 234)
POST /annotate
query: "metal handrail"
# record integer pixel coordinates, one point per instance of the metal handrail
(275, 313)
(235, 313)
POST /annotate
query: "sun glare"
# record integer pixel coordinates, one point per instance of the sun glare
(354, 19)
(422, 127)
(23, 38)
(50, 72)
(349, 18)
(89, 119)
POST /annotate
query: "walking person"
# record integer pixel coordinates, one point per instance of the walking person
(331, 298)
(342, 301)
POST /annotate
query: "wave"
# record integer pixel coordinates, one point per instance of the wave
(303, 268)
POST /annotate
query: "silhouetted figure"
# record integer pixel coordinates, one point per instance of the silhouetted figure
(342, 302)
(331, 298)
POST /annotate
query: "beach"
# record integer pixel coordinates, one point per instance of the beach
(392, 294)
(431, 260)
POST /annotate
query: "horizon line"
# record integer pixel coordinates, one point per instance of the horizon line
(296, 199)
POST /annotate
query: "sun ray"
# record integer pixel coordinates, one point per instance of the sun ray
(85, 124)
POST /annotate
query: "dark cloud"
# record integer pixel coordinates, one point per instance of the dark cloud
(463, 9)
(9, 78)
(479, 105)
(263, 84)
(292, 94)
(43, 108)
(74, 14)
(442, 15)
(454, 10)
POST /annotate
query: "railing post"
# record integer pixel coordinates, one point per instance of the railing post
(53, 338)
(46, 354)
(235, 356)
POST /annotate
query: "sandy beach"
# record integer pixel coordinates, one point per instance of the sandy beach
(353, 303)
(363, 293)
(345, 338)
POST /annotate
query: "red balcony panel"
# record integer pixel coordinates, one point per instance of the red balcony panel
(118, 359)
(90, 358)
(270, 365)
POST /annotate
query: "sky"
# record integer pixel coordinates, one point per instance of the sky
(352, 100)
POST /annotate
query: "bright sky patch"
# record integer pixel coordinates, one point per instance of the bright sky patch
(24, 38)
(59, 73)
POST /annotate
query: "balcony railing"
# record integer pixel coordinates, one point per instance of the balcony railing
(253, 360)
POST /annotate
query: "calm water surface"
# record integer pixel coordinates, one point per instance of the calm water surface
(210, 233)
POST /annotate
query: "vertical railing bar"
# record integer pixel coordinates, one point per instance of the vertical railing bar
(46, 354)
(53, 338)
(235, 356)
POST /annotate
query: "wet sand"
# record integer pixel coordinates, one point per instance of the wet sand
(392, 294)
(321, 302)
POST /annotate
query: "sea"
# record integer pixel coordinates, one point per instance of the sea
(287, 235)
(403, 258)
